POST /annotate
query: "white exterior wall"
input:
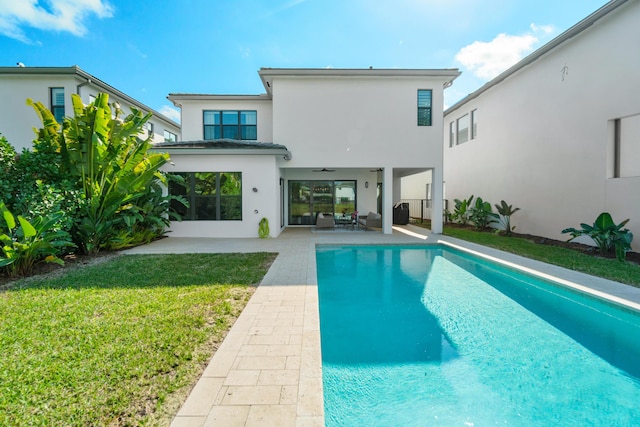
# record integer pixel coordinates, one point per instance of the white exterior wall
(356, 122)
(258, 171)
(18, 120)
(545, 134)
(359, 122)
(192, 116)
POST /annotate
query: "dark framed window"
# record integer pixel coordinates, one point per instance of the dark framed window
(212, 196)
(170, 136)
(462, 129)
(230, 124)
(424, 107)
(310, 197)
(57, 103)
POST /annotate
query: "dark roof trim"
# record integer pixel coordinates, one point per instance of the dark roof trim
(224, 146)
(89, 79)
(207, 96)
(267, 74)
(570, 33)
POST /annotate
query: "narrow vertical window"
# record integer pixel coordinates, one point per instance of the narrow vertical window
(452, 134)
(424, 107)
(474, 124)
(462, 125)
(627, 141)
(57, 103)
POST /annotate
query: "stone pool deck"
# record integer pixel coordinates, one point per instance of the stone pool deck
(268, 370)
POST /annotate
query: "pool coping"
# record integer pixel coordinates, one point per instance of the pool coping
(268, 370)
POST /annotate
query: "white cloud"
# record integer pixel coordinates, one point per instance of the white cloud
(172, 113)
(52, 15)
(488, 59)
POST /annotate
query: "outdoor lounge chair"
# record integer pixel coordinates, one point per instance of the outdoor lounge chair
(371, 220)
(325, 221)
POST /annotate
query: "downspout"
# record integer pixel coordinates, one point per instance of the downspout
(88, 82)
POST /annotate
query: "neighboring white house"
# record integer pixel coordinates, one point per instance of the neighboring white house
(319, 141)
(53, 87)
(558, 134)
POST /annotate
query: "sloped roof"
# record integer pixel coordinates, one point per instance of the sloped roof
(226, 146)
(562, 38)
(76, 71)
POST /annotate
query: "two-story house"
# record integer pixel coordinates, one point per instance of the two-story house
(558, 134)
(53, 87)
(318, 141)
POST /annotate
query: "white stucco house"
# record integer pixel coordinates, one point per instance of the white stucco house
(53, 87)
(558, 134)
(318, 141)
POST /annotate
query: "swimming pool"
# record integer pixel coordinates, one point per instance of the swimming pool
(429, 335)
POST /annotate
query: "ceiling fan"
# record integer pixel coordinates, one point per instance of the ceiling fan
(324, 170)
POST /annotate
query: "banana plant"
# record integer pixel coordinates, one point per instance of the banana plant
(113, 164)
(506, 211)
(27, 242)
(607, 235)
(462, 210)
(482, 215)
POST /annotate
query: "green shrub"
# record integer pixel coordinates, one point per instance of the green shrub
(606, 234)
(462, 210)
(482, 215)
(27, 242)
(506, 211)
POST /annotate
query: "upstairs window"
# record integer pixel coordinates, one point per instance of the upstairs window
(474, 124)
(57, 103)
(170, 136)
(149, 127)
(230, 124)
(424, 107)
(452, 134)
(462, 125)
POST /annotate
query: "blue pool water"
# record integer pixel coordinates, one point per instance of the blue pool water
(429, 336)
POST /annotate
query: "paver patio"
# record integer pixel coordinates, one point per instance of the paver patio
(268, 370)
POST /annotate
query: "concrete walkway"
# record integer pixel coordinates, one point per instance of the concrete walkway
(268, 370)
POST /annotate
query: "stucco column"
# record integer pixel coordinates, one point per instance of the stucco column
(437, 206)
(387, 200)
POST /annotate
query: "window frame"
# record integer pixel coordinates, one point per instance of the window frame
(473, 125)
(172, 136)
(217, 196)
(452, 133)
(58, 110)
(425, 107)
(227, 125)
(459, 130)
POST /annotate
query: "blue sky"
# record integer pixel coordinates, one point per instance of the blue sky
(150, 48)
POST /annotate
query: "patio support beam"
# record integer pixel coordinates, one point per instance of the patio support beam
(437, 195)
(387, 200)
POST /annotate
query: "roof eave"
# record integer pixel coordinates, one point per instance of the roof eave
(567, 35)
(286, 154)
(78, 72)
(267, 74)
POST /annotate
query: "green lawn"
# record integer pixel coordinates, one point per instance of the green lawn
(117, 343)
(612, 269)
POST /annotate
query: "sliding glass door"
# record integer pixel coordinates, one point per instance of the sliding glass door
(308, 198)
